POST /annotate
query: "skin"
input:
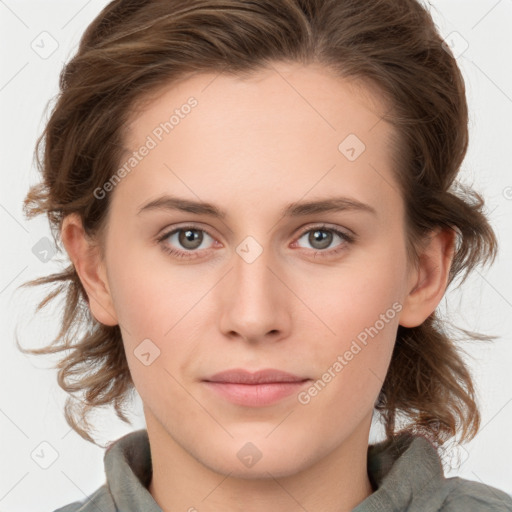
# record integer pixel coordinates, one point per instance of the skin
(252, 146)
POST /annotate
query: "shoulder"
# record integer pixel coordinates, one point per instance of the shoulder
(101, 500)
(471, 496)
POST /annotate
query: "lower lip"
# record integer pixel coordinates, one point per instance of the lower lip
(256, 395)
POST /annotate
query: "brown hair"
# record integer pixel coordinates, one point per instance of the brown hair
(136, 47)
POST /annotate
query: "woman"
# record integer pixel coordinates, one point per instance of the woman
(258, 201)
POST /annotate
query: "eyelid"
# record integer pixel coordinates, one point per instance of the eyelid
(167, 232)
(324, 225)
(347, 236)
(299, 233)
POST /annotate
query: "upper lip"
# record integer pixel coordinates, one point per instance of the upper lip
(241, 376)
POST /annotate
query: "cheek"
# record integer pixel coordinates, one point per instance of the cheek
(353, 362)
(150, 295)
(159, 302)
(358, 295)
(362, 314)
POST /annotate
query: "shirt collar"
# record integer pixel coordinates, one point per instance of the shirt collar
(407, 474)
(405, 471)
(128, 470)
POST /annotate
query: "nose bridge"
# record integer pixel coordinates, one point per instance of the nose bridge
(255, 298)
(254, 282)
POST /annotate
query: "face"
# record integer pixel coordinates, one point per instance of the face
(313, 292)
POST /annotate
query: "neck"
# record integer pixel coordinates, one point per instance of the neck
(338, 482)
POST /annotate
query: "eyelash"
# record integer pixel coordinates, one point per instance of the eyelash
(348, 239)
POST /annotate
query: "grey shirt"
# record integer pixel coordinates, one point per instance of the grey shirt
(406, 475)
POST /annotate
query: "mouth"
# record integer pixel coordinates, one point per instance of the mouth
(258, 389)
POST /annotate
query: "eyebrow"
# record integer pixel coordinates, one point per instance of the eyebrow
(297, 209)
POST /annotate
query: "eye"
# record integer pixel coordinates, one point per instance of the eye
(187, 238)
(321, 237)
(186, 241)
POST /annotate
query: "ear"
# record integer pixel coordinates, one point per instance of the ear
(428, 282)
(90, 268)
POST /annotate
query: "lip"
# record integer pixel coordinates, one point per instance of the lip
(257, 389)
(241, 376)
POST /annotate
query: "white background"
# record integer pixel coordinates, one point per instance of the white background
(31, 403)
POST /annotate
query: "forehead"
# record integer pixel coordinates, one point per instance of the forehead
(307, 93)
(283, 130)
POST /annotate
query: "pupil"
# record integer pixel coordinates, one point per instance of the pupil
(190, 236)
(323, 237)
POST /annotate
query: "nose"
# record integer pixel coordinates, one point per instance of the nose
(256, 304)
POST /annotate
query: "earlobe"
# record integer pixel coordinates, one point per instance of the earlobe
(90, 268)
(429, 279)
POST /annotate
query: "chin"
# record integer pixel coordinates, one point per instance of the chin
(251, 461)
(260, 471)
